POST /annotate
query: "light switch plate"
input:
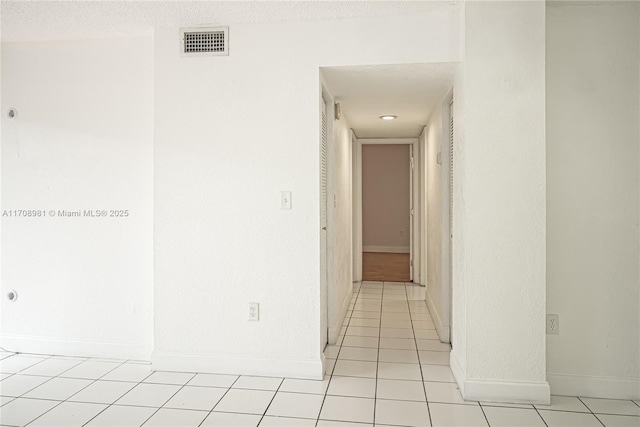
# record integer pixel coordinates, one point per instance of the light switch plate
(285, 200)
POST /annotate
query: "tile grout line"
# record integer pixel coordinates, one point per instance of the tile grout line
(28, 367)
(324, 397)
(58, 376)
(22, 396)
(590, 411)
(165, 402)
(346, 328)
(375, 390)
(415, 341)
(119, 397)
(565, 410)
(264, 413)
(484, 415)
(222, 397)
(9, 374)
(539, 414)
(40, 385)
(128, 405)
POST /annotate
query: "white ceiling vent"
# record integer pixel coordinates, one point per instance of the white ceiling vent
(204, 41)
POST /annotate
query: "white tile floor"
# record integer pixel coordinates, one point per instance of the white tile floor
(388, 368)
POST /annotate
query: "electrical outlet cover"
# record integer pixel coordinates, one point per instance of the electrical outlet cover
(254, 311)
(553, 324)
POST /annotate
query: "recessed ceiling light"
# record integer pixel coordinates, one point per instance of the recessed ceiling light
(388, 117)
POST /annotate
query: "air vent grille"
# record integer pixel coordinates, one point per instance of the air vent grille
(205, 41)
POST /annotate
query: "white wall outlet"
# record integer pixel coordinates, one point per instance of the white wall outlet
(285, 200)
(553, 324)
(254, 311)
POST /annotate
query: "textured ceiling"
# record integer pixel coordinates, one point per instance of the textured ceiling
(62, 20)
(410, 92)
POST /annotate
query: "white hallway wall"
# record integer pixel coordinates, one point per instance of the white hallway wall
(385, 198)
(593, 187)
(82, 139)
(230, 134)
(341, 224)
(435, 293)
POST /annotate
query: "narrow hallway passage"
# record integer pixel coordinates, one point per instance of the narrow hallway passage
(388, 359)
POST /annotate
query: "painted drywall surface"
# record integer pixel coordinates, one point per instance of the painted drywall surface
(418, 226)
(458, 327)
(592, 180)
(356, 240)
(385, 197)
(503, 214)
(422, 176)
(82, 140)
(434, 214)
(341, 212)
(231, 133)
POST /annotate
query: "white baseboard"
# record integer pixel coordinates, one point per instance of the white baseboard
(507, 391)
(334, 330)
(443, 331)
(83, 348)
(498, 391)
(304, 369)
(590, 386)
(457, 370)
(387, 249)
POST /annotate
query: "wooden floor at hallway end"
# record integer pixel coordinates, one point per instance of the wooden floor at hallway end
(385, 267)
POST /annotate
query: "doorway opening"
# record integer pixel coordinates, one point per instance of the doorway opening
(387, 205)
(408, 252)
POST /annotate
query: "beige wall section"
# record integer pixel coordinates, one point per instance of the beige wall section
(385, 198)
(593, 185)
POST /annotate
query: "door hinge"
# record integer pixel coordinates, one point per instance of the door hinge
(411, 212)
(412, 163)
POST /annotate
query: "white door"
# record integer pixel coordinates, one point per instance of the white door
(323, 225)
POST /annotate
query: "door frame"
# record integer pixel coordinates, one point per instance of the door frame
(416, 196)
